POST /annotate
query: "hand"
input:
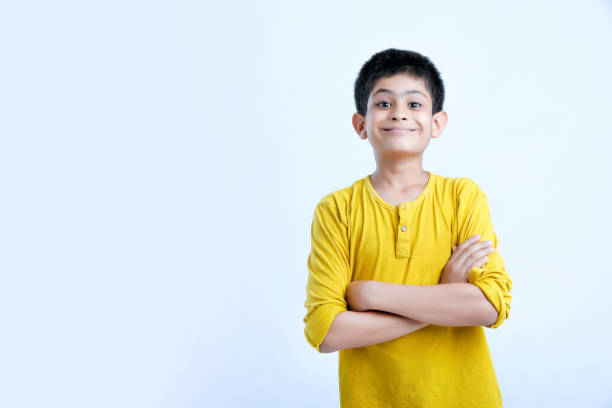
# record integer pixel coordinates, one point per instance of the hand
(469, 254)
(357, 295)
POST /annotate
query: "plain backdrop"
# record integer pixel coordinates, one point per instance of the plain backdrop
(160, 163)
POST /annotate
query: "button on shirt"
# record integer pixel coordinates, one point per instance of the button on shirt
(356, 235)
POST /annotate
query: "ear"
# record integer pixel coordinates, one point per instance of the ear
(359, 125)
(438, 123)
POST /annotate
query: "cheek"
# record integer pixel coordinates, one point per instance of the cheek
(373, 119)
(369, 127)
(426, 121)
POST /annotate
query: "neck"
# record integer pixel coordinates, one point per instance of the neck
(399, 174)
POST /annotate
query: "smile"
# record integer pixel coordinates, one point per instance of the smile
(399, 130)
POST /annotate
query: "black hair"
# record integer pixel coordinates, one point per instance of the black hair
(393, 61)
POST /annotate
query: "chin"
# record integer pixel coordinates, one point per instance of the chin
(400, 152)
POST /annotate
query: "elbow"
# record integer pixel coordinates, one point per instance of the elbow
(497, 317)
(496, 301)
(320, 327)
(491, 316)
(325, 348)
(326, 345)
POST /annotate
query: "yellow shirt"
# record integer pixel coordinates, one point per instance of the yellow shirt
(356, 235)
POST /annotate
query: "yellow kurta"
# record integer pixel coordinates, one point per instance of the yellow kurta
(356, 235)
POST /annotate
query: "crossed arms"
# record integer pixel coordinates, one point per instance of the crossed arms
(342, 313)
(382, 311)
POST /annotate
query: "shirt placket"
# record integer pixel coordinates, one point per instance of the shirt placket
(404, 227)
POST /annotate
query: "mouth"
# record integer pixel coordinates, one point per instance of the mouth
(398, 130)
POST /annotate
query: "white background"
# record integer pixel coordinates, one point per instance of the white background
(160, 163)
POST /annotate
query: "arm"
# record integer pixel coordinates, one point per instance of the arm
(473, 217)
(329, 325)
(483, 300)
(328, 271)
(451, 304)
(357, 329)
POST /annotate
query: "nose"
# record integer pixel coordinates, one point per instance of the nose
(398, 114)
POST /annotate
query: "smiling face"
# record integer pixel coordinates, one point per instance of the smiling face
(399, 119)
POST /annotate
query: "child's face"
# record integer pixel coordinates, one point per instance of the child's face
(399, 116)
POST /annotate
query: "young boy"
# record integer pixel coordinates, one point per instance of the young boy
(404, 270)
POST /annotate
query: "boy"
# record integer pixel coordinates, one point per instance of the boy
(403, 269)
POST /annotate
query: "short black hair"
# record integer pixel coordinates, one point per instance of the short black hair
(393, 61)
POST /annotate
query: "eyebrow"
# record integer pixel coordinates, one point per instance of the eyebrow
(411, 91)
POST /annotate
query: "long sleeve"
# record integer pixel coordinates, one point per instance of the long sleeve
(473, 217)
(329, 272)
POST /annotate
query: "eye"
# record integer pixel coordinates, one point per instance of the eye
(415, 103)
(378, 104)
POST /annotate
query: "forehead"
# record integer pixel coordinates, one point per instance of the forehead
(400, 84)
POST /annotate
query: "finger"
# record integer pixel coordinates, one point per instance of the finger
(461, 258)
(469, 241)
(482, 244)
(464, 254)
(482, 251)
(469, 256)
(468, 263)
(479, 262)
